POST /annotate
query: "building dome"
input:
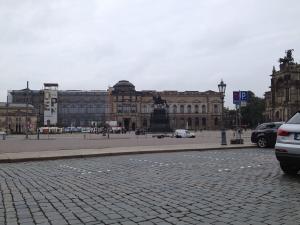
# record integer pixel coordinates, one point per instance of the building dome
(124, 85)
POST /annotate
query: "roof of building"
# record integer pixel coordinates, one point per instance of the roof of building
(15, 105)
(124, 85)
(50, 84)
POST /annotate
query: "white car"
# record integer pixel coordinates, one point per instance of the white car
(182, 133)
(287, 148)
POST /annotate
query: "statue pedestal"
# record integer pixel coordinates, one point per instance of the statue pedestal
(159, 121)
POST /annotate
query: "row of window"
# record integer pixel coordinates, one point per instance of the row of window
(82, 106)
(287, 94)
(188, 109)
(188, 121)
(81, 110)
(126, 108)
(173, 109)
(123, 98)
(17, 120)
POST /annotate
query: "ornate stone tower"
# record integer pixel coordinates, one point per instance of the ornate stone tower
(284, 98)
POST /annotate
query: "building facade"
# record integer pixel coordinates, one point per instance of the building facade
(189, 109)
(82, 108)
(13, 118)
(64, 108)
(122, 103)
(283, 100)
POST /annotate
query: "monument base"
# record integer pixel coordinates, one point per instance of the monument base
(159, 121)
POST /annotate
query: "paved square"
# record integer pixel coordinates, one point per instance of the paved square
(209, 187)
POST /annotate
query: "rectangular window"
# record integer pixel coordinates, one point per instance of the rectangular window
(287, 94)
(216, 109)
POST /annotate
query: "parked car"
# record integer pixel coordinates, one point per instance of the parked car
(85, 130)
(116, 130)
(182, 133)
(265, 134)
(287, 148)
(140, 131)
(3, 135)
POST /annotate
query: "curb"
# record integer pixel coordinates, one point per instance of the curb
(104, 154)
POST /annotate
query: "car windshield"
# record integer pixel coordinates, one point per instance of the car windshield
(295, 119)
(271, 125)
(261, 127)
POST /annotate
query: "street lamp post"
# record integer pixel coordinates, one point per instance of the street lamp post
(26, 119)
(7, 126)
(222, 89)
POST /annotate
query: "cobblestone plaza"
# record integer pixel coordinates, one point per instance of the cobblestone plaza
(242, 186)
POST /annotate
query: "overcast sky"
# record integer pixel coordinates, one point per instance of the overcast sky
(155, 44)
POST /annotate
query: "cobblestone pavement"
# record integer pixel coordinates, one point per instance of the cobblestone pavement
(242, 186)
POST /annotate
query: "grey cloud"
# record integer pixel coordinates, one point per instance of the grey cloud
(171, 44)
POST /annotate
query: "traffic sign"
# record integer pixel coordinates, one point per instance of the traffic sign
(243, 103)
(240, 97)
(236, 97)
(244, 96)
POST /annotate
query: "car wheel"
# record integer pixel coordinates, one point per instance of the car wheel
(262, 142)
(178, 136)
(289, 169)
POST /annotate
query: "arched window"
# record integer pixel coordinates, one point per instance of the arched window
(145, 109)
(204, 121)
(216, 121)
(197, 124)
(277, 115)
(145, 123)
(174, 108)
(196, 108)
(181, 108)
(189, 109)
(182, 123)
(174, 122)
(133, 126)
(189, 123)
(203, 108)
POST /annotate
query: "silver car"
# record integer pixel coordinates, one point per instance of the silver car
(287, 148)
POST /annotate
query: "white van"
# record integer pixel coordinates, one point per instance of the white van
(182, 133)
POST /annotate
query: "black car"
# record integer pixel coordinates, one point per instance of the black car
(140, 131)
(265, 134)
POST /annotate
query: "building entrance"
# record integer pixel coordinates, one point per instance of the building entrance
(126, 122)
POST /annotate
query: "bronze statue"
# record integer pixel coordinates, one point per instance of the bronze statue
(159, 120)
(288, 59)
(159, 102)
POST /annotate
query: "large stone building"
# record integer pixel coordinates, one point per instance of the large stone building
(122, 103)
(284, 98)
(13, 118)
(189, 109)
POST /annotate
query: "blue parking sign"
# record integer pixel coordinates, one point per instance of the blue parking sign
(244, 96)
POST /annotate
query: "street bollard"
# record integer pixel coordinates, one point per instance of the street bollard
(4, 136)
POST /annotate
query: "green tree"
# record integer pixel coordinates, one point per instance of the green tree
(253, 113)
